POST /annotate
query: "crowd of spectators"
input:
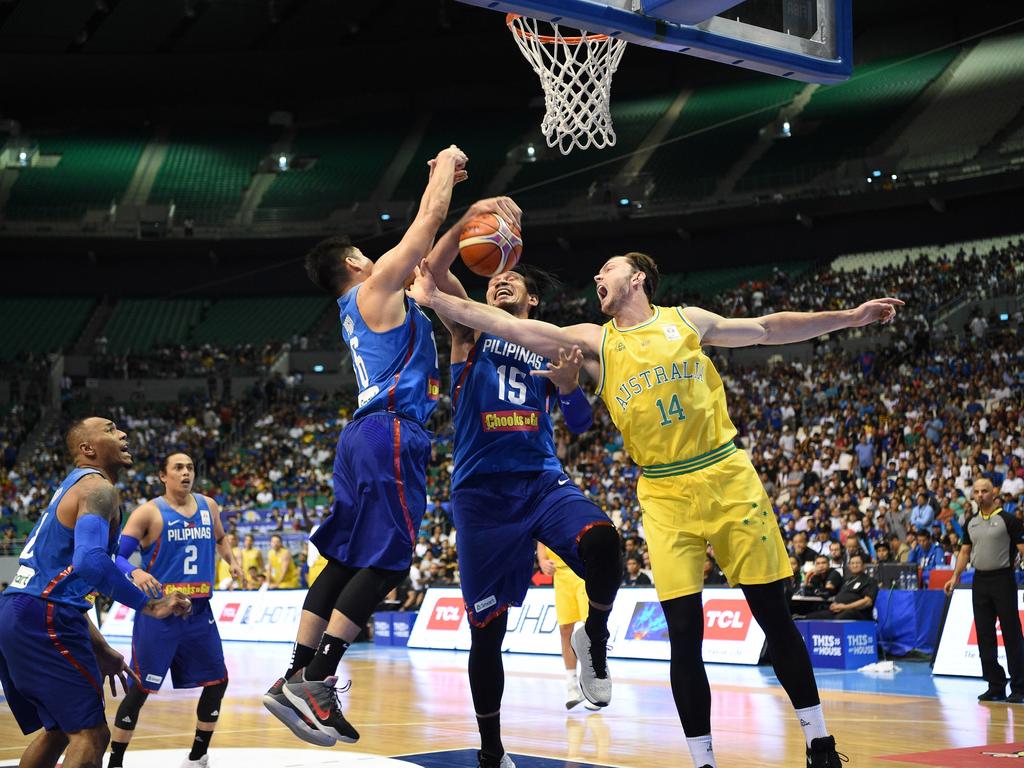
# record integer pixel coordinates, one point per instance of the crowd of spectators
(868, 454)
(179, 361)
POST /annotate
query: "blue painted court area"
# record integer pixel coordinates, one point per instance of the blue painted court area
(466, 758)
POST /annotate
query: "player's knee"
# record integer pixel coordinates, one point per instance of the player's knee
(685, 619)
(208, 709)
(601, 548)
(94, 740)
(127, 716)
(324, 591)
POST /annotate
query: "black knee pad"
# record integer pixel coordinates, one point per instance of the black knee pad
(601, 554)
(324, 591)
(208, 709)
(127, 716)
(364, 591)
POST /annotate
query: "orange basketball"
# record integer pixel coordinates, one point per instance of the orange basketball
(489, 245)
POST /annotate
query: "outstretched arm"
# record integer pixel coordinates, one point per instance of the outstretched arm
(380, 298)
(543, 338)
(786, 327)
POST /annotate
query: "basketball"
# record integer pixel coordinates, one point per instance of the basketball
(489, 245)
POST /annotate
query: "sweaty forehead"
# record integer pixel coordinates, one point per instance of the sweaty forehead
(506, 277)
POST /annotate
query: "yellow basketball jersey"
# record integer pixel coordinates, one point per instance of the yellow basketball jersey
(554, 558)
(664, 395)
(223, 571)
(252, 558)
(290, 580)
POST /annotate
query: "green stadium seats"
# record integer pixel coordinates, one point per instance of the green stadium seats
(138, 325)
(94, 170)
(259, 320)
(39, 326)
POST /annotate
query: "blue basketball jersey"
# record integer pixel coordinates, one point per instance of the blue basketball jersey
(502, 413)
(396, 370)
(183, 557)
(45, 568)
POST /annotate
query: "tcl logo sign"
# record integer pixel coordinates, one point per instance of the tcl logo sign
(726, 620)
(230, 611)
(973, 637)
(447, 613)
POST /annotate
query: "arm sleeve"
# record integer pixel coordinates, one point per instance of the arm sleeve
(126, 547)
(94, 565)
(1014, 527)
(966, 538)
(577, 412)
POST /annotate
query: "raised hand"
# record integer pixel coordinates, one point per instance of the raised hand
(503, 206)
(875, 311)
(423, 288)
(565, 372)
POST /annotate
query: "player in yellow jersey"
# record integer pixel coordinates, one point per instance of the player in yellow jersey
(282, 572)
(571, 606)
(252, 557)
(667, 399)
(224, 578)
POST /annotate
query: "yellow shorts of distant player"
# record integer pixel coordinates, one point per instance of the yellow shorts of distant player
(722, 502)
(571, 602)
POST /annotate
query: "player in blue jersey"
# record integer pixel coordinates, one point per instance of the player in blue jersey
(381, 461)
(509, 489)
(179, 534)
(52, 658)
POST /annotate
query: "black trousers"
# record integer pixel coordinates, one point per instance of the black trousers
(994, 595)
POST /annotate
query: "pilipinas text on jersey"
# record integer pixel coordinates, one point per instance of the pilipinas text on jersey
(183, 557)
(395, 370)
(502, 413)
(44, 565)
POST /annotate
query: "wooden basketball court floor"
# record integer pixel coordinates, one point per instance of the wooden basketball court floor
(414, 707)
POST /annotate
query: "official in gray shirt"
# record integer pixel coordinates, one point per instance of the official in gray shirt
(992, 540)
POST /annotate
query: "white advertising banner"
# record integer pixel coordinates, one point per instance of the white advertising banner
(957, 653)
(271, 616)
(637, 625)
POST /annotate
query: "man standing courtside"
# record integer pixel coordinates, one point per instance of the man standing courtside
(992, 541)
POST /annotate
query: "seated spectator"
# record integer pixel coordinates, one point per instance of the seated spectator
(926, 554)
(855, 599)
(836, 557)
(822, 538)
(633, 576)
(922, 514)
(823, 582)
(801, 551)
(882, 552)
(713, 575)
(255, 578)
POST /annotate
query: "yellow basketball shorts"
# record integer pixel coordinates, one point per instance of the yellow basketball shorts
(724, 505)
(571, 602)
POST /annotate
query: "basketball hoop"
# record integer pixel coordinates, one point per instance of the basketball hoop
(576, 74)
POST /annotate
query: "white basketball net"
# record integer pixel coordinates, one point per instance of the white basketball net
(576, 74)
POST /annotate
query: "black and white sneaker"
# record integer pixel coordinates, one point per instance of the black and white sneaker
(318, 701)
(595, 680)
(485, 761)
(822, 754)
(279, 706)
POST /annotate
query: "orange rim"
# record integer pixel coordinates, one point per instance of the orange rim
(547, 39)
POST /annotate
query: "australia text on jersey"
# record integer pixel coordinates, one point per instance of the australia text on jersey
(678, 372)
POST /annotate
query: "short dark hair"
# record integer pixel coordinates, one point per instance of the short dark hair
(857, 554)
(924, 532)
(539, 282)
(167, 459)
(821, 557)
(643, 263)
(74, 434)
(325, 264)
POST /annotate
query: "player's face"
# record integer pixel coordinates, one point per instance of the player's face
(109, 443)
(179, 474)
(508, 291)
(613, 283)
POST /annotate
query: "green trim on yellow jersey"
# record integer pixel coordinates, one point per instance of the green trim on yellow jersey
(657, 313)
(604, 338)
(679, 311)
(695, 464)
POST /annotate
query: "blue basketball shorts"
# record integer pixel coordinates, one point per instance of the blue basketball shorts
(189, 647)
(380, 492)
(48, 668)
(499, 519)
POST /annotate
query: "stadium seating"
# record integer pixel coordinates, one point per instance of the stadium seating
(932, 253)
(137, 325)
(93, 172)
(982, 95)
(716, 125)
(256, 321)
(841, 121)
(633, 120)
(206, 174)
(39, 326)
(348, 165)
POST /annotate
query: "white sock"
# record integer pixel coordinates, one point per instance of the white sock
(701, 752)
(570, 677)
(812, 720)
